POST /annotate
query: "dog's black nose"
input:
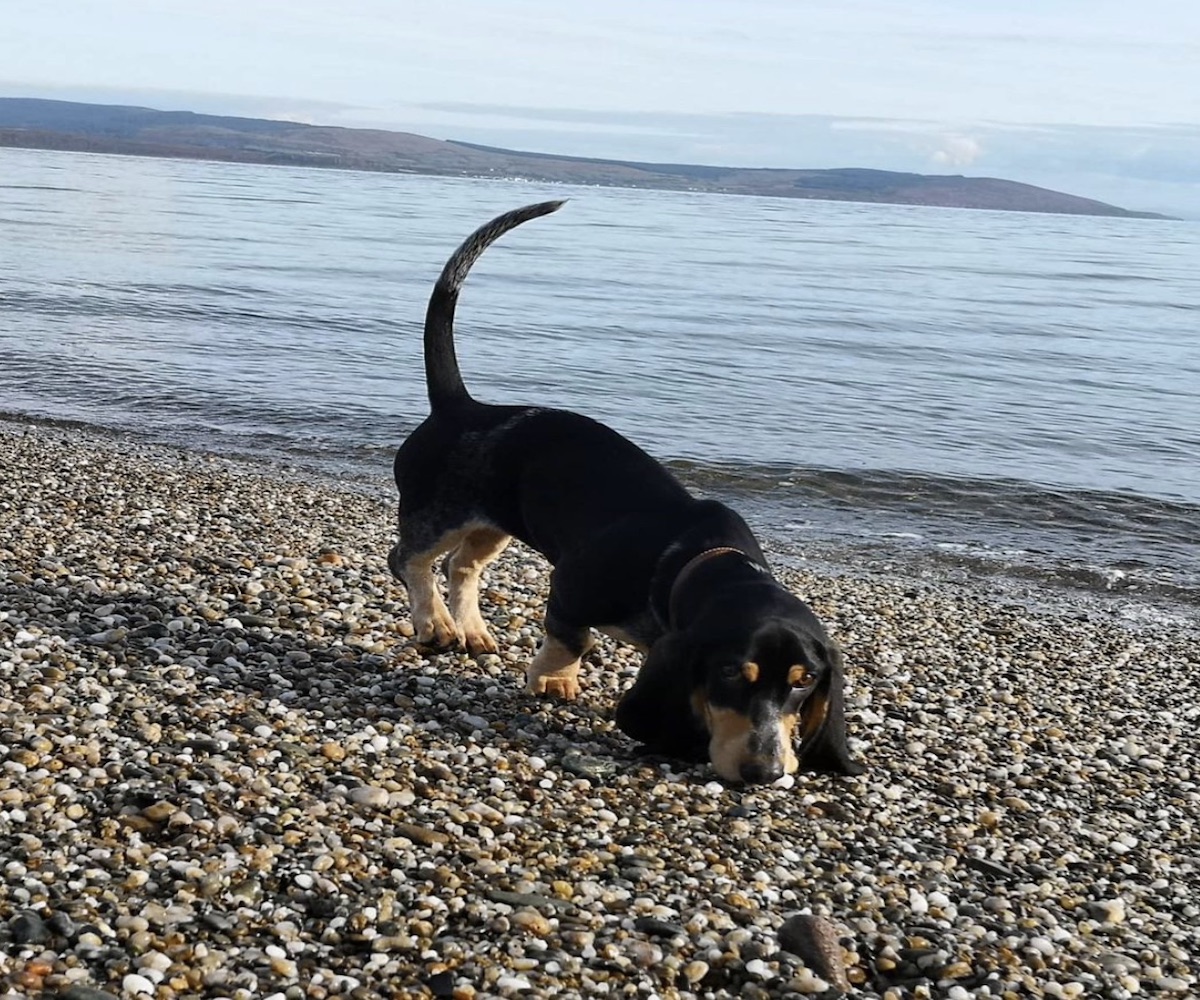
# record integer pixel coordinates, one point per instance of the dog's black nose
(761, 772)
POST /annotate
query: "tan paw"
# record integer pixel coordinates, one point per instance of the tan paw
(562, 688)
(439, 632)
(480, 642)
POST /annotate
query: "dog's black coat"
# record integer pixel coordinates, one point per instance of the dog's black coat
(634, 554)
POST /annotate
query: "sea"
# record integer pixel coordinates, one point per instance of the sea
(939, 395)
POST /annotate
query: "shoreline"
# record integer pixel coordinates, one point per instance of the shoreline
(224, 769)
(1067, 584)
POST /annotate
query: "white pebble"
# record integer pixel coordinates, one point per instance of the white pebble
(154, 960)
(1108, 911)
(757, 967)
(369, 795)
(1043, 946)
(135, 985)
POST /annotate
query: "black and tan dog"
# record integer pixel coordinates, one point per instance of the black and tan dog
(736, 667)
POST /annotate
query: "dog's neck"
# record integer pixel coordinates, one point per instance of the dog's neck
(690, 567)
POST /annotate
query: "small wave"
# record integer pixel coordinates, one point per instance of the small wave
(39, 187)
(1023, 505)
(1100, 542)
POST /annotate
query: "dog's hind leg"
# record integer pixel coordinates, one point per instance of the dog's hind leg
(463, 570)
(431, 618)
(412, 563)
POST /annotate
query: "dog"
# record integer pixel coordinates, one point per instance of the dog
(737, 669)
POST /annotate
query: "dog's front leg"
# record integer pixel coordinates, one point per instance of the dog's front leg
(555, 669)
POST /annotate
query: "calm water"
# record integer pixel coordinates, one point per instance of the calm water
(1002, 392)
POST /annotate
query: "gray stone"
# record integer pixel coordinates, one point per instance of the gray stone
(28, 928)
(814, 940)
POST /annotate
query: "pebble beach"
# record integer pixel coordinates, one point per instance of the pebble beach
(227, 770)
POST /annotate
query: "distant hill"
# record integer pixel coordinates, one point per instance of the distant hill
(101, 128)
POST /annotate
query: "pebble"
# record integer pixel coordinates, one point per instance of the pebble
(369, 795)
(79, 991)
(1108, 911)
(531, 922)
(135, 985)
(815, 940)
(658, 928)
(28, 928)
(227, 771)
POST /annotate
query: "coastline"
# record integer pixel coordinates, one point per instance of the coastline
(225, 771)
(114, 130)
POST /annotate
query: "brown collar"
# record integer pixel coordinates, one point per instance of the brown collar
(690, 567)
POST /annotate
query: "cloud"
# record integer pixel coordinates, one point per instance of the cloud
(957, 151)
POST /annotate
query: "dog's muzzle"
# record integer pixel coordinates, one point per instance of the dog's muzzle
(766, 761)
(762, 772)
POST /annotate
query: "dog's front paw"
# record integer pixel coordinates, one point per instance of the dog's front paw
(439, 631)
(551, 686)
(480, 641)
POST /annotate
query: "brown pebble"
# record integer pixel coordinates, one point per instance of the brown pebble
(159, 811)
(334, 752)
(814, 939)
(421, 834)
(531, 922)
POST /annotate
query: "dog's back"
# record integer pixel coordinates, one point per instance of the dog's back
(515, 467)
(512, 466)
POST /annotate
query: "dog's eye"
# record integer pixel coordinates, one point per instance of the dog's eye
(800, 677)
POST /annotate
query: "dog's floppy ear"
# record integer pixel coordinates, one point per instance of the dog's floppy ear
(822, 726)
(658, 710)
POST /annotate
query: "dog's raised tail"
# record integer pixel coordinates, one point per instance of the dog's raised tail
(442, 377)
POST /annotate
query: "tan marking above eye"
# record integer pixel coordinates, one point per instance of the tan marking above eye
(799, 676)
(750, 671)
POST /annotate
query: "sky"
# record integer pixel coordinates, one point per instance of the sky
(1095, 97)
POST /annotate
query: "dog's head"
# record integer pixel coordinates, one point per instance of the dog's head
(774, 706)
